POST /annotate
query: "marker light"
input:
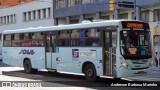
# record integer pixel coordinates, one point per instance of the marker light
(124, 64)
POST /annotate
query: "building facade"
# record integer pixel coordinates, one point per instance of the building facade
(75, 11)
(33, 14)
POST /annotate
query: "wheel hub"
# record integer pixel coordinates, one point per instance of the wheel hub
(90, 72)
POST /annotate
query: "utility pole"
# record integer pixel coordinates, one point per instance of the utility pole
(134, 9)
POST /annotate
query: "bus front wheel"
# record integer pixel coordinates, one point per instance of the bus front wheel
(90, 72)
(28, 67)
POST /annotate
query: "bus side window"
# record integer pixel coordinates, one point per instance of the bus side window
(92, 37)
(81, 40)
(7, 40)
(74, 37)
(87, 38)
(16, 40)
(26, 39)
(37, 39)
(63, 38)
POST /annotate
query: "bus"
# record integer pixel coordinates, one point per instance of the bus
(117, 48)
(0, 47)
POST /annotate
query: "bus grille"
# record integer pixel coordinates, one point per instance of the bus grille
(139, 68)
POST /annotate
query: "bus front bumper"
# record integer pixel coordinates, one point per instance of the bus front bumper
(125, 72)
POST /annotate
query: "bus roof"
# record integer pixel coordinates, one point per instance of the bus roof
(67, 27)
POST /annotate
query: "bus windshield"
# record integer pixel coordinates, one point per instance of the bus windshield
(135, 44)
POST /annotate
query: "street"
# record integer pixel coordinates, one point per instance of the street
(60, 81)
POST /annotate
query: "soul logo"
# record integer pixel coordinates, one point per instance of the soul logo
(27, 51)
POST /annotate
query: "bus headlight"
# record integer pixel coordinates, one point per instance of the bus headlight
(124, 64)
(151, 63)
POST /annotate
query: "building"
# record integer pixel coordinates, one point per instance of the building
(74, 11)
(25, 15)
(33, 14)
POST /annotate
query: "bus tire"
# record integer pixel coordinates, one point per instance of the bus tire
(90, 72)
(28, 67)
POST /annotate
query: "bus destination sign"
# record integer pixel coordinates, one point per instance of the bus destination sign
(134, 24)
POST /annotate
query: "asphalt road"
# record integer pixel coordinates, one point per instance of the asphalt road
(60, 81)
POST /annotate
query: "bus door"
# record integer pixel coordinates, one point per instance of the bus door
(50, 51)
(109, 39)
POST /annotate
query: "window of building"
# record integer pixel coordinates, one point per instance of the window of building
(60, 4)
(73, 2)
(74, 21)
(12, 19)
(87, 1)
(145, 16)
(106, 17)
(39, 14)
(157, 14)
(133, 16)
(9, 19)
(123, 16)
(24, 16)
(89, 18)
(29, 15)
(34, 15)
(4, 20)
(1, 20)
(49, 12)
(44, 13)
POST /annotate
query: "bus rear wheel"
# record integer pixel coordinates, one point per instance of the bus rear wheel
(90, 72)
(28, 67)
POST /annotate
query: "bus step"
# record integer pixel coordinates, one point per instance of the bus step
(51, 70)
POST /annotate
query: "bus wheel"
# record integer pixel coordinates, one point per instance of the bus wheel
(90, 72)
(28, 67)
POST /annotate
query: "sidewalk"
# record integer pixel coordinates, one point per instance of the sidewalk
(153, 76)
(156, 68)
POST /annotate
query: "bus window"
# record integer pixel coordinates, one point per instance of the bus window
(63, 38)
(135, 43)
(74, 37)
(88, 38)
(16, 40)
(92, 37)
(37, 39)
(81, 39)
(26, 39)
(7, 40)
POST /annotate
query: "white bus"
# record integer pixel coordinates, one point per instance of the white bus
(0, 47)
(118, 48)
